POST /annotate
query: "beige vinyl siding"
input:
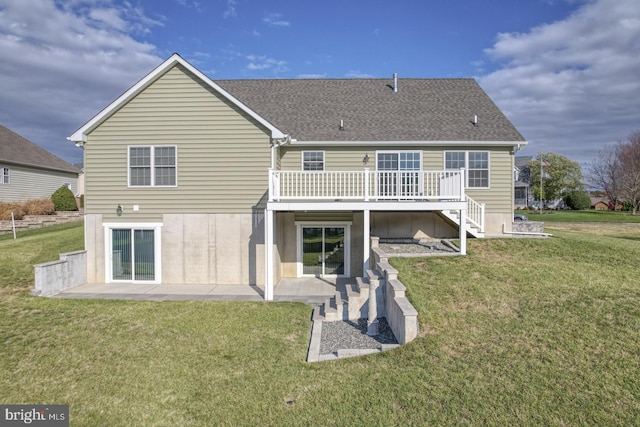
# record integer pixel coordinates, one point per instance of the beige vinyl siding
(499, 196)
(335, 158)
(223, 155)
(28, 183)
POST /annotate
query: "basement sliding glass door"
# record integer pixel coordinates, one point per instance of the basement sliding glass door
(133, 256)
(323, 251)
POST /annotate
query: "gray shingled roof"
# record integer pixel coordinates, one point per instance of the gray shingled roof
(521, 161)
(16, 149)
(421, 110)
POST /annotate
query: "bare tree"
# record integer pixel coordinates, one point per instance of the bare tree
(605, 173)
(617, 171)
(629, 155)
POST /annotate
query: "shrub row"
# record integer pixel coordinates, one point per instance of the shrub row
(61, 200)
(31, 207)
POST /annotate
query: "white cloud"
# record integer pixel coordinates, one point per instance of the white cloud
(109, 17)
(261, 62)
(231, 9)
(353, 74)
(60, 67)
(191, 4)
(275, 20)
(312, 76)
(572, 86)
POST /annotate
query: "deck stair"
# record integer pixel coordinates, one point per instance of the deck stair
(474, 220)
(454, 218)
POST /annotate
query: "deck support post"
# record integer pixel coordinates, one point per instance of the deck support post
(463, 231)
(367, 239)
(268, 255)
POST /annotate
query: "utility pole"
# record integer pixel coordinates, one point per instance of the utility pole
(541, 171)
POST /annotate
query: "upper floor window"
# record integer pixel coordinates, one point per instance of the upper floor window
(313, 160)
(4, 175)
(476, 164)
(153, 166)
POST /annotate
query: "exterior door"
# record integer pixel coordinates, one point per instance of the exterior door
(398, 174)
(133, 255)
(323, 251)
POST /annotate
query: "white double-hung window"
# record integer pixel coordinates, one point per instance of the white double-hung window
(475, 163)
(152, 166)
(4, 175)
(313, 160)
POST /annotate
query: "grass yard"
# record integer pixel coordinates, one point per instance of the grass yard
(581, 216)
(519, 332)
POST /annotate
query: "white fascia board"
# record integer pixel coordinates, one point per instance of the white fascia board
(365, 206)
(420, 143)
(81, 134)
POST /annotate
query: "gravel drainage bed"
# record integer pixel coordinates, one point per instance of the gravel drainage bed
(352, 334)
(413, 247)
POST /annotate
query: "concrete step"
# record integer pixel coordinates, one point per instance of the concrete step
(332, 308)
(362, 284)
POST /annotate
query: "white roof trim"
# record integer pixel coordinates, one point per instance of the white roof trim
(81, 134)
(432, 143)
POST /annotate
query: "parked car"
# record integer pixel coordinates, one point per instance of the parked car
(520, 217)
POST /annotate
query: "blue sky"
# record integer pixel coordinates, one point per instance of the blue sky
(566, 72)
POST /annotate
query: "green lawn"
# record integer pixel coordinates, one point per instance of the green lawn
(519, 332)
(581, 216)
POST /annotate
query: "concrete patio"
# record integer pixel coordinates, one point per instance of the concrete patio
(309, 290)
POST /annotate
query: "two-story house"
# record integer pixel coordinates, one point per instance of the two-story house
(195, 181)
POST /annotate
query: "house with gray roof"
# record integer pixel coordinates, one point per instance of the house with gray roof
(28, 171)
(523, 197)
(248, 182)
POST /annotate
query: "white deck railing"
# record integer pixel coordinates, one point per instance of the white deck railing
(366, 185)
(475, 213)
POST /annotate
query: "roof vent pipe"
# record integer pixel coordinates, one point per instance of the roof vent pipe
(395, 82)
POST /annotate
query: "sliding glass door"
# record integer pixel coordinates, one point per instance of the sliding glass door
(323, 251)
(133, 256)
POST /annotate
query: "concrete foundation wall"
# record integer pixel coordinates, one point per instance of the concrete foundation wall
(94, 245)
(416, 225)
(213, 249)
(286, 243)
(494, 222)
(56, 276)
(226, 249)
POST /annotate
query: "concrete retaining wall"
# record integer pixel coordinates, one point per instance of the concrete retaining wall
(527, 227)
(30, 222)
(56, 276)
(401, 315)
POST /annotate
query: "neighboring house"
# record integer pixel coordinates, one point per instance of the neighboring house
(249, 181)
(28, 171)
(522, 195)
(604, 204)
